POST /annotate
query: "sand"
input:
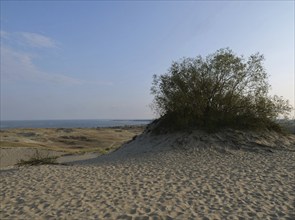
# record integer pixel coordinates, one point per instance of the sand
(145, 180)
(11, 156)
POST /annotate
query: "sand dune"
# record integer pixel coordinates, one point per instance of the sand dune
(147, 180)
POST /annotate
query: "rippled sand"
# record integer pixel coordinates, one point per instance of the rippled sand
(203, 184)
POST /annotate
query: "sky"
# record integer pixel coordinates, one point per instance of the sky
(96, 59)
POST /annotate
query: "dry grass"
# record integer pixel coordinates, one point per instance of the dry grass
(76, 140)
(38, 159)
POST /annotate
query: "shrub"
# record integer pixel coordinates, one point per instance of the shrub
(220, 90)
(37, 159)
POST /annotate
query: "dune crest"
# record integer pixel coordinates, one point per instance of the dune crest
(228, 140)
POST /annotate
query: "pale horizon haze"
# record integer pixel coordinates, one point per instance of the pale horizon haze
(96, 59)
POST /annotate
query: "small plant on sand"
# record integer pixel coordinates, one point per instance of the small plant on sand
(38, 159)
(220, 90)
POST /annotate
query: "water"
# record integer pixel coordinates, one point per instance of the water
(91, 123)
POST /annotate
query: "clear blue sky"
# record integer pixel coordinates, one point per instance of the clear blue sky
(95, 60)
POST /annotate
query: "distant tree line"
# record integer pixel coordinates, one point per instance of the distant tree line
(220, 90)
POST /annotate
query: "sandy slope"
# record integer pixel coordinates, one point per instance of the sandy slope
(9, 157)
(163, 177)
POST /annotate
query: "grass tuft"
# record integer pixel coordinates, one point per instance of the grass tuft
(38, 159)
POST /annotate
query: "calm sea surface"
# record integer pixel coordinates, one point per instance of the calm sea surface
(70, 123)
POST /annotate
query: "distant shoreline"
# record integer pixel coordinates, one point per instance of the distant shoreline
(76, 123)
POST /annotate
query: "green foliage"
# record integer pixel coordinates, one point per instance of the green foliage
(220, 90)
